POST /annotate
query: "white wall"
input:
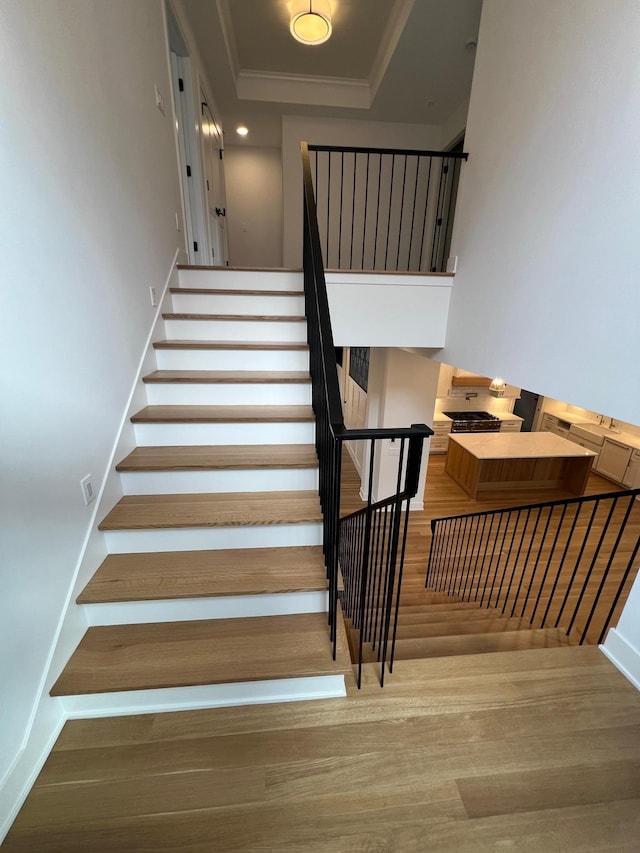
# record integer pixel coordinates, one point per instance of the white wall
(547, 288)
(253, 178)
(326, 131)
(89, 196)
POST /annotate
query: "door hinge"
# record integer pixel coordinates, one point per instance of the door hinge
(188, 171)
(207, 183)
(220, 153)
(439, 222)
(446, 170)
(203, 104)
(195, 246)
(180, 84)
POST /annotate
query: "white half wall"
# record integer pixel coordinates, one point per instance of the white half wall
(90, 195)
(253, 178)
(388, 310)
(622, 644)
(329, 131)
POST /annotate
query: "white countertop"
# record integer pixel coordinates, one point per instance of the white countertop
(519, 445)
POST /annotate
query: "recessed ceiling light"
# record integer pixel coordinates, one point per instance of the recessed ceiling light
(242, 130)
(310, 21)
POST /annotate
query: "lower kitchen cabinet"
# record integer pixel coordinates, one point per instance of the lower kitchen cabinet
(613, 460)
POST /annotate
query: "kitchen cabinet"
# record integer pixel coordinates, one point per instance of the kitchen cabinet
(440, 439)
(613, 460)
(631, 477)
(507, 425)
(551, 423)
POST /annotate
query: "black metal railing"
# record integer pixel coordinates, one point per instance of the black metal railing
(385, 208)
(371, 571)
(564, 564)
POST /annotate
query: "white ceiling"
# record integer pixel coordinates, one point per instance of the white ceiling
(387, 60)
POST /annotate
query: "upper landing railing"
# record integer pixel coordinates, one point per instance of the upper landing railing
(385, 208)
(366, 547)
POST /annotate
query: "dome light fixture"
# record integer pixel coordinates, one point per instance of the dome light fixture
(242, 130)
(310, 21)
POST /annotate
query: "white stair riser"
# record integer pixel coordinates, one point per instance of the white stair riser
(207, 482)
(241, 279)
(203, 538)
(148, 435)
(192, 609)
(191, 359)
(228, 394)
(236, 330)
(203, 696)
(228, 303)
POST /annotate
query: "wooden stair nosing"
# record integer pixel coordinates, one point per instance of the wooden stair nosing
(167, 575)
(231, 377)
(230, 345)
(215, 651)
(249, 318)
(213, 291)
(220, 458)
(224, 509)
(218, 268)
(224, 414)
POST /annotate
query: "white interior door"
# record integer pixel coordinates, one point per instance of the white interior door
(354, 402)
(211, 136)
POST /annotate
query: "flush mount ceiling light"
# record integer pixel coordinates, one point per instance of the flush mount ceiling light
(310, 21)
(242, 130)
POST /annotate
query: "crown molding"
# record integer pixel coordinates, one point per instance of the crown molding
(397, 21)
(226, 25)
(303, 89)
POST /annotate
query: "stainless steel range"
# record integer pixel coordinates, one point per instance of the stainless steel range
(473, 421)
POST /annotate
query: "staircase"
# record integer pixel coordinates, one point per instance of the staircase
(434, 624)
(214, 589)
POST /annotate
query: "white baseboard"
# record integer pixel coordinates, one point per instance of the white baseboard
(17, 783)
(203, 696)
(623, 656)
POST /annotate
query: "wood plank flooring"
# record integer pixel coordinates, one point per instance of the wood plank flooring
(536, 750)
(230, 345)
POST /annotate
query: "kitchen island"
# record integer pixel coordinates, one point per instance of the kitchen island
(483, 462)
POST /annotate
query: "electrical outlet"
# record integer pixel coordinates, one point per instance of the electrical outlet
(160, 101)
(154, 299)
(88, 493)
(394, 447)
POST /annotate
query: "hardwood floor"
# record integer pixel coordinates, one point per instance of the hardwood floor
(534, 750)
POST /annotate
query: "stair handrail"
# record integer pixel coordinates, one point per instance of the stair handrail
(458, 541)
(331, 433)
(396, 204)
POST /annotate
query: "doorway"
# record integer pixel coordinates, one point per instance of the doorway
(188, 144)
(212, 153)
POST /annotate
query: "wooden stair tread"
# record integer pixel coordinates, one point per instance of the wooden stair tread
(223, 414)
(219, 268)
(441, 606)
(218, 457)
(140, 512)
(196, 574)
(239, 377)
(475, 644)
(270, 318)
(430, 616)
(211, 651)
(230, 345)
(498, 624)
(231, 292)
